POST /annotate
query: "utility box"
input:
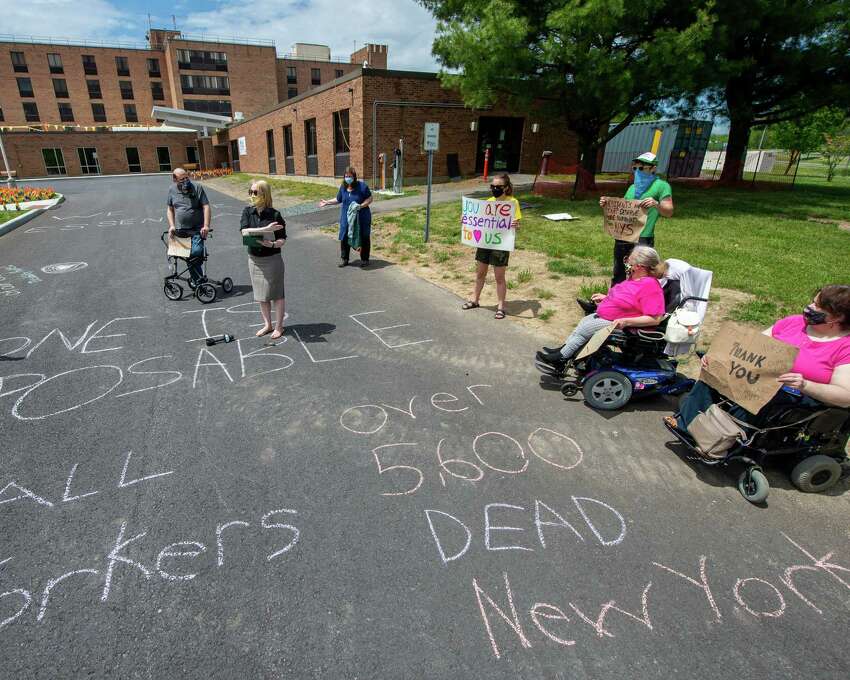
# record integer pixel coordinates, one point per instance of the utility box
(311, 51)
(681, 146)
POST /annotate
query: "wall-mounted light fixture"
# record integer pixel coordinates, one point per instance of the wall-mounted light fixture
(535, 127)
(473, 125)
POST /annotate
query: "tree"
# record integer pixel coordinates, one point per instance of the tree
(836, 147)
(770, 61)
(580, 63)
(807, 134)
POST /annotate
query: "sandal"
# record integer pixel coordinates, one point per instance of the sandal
(264, 331)
(469, 304)
(500, 314)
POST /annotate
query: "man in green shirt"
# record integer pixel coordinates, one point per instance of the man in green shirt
(655, 197)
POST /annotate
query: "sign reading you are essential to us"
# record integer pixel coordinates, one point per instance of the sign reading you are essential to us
(487, 224)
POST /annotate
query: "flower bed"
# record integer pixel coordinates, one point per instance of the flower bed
(210, 174)
(14, 196)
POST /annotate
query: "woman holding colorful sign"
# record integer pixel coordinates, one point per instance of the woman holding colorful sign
(502, 190)
(655, 196)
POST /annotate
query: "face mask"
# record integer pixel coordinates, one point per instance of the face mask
(349, 180)
(629, 269)
(642, 182)
(497, 191)
(183, 186)
(813, 317)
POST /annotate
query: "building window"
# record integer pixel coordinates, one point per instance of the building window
(310, 141)
(192, 154)
(316, 76)
(94, 89)
(31, 112)
(338, 73)
(221, 107)
(271, 153)
(98, 112)
(291, 75)
(25, 87)
(1, 115)
(89, 65)
(287, 140)
(130, 114)
(54, 161)
(88, 160)
(156, 91)
(19, 62)
(205, 84)
(122, 64)
(54, 61)
(60, 88)
(66, 113)
(164, 157)
(201, 60)
(126, 89)
(133, 162)
(341, 144)
(292, 92)
(153, 68)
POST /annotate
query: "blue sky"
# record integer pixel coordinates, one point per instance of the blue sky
(406, 27)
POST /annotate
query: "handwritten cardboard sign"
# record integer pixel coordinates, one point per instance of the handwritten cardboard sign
(596, 341)
(487, 224)
(179, 247)
(743, 365)
(623, 219)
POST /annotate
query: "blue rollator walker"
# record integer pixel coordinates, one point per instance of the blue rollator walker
(205, 290)
(630, 364)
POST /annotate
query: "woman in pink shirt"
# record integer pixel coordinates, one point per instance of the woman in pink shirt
(821, 371)
(635, 303)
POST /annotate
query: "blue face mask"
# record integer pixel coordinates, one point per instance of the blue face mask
(642, 182)
(349, 180)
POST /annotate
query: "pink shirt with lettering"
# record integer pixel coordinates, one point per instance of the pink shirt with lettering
(641, 297)
(816, 360)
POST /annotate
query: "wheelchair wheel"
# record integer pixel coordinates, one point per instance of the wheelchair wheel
(172, 290)
(753, 485)
(816, 474)
(206, 293)
(227, 284)
(569, 389)
(607, 390)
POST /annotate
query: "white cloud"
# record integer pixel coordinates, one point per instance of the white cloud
(90, 20)
(403, 25)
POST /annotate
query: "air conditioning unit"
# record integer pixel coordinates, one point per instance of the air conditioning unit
(238, 115)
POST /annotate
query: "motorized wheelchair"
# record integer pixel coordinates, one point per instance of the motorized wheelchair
(811, 436)
(632, 363)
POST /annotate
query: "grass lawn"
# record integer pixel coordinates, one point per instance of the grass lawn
(305, 191)
(5, 216)
(763, 242)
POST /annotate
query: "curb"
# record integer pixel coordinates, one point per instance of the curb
(11, 225)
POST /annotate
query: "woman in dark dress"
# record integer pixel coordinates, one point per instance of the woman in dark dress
(353, 191)
(265, 262)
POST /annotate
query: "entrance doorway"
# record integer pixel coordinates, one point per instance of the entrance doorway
(503, 136)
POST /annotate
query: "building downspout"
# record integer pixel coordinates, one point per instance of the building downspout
(401, 103)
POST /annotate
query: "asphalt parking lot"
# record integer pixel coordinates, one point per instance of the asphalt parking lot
(387, 493)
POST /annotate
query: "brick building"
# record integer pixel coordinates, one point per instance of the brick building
(354, 119)
(52, 83)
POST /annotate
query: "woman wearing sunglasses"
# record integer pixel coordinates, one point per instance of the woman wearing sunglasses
(502, 190)
(655, 196)
(265, 262)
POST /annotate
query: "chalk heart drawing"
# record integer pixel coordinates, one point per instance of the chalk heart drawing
(64, 267)
(477, 235)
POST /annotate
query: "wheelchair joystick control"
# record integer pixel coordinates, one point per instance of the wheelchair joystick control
(226, 337)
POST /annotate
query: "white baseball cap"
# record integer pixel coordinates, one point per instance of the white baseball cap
(649, 158)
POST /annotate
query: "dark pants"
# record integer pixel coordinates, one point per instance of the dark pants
(365, 247)
(702, 396)
(622, 249)
(196, 258)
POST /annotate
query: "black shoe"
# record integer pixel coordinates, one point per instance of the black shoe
(588, 306)
(344, 263)
(363, 264)
(553, 358)
(552, 349)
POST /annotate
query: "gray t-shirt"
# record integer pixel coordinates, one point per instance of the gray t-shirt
(188, 208)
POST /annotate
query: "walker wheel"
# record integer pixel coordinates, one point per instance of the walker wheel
(172, 290)
(206, 293)
(227, 284)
